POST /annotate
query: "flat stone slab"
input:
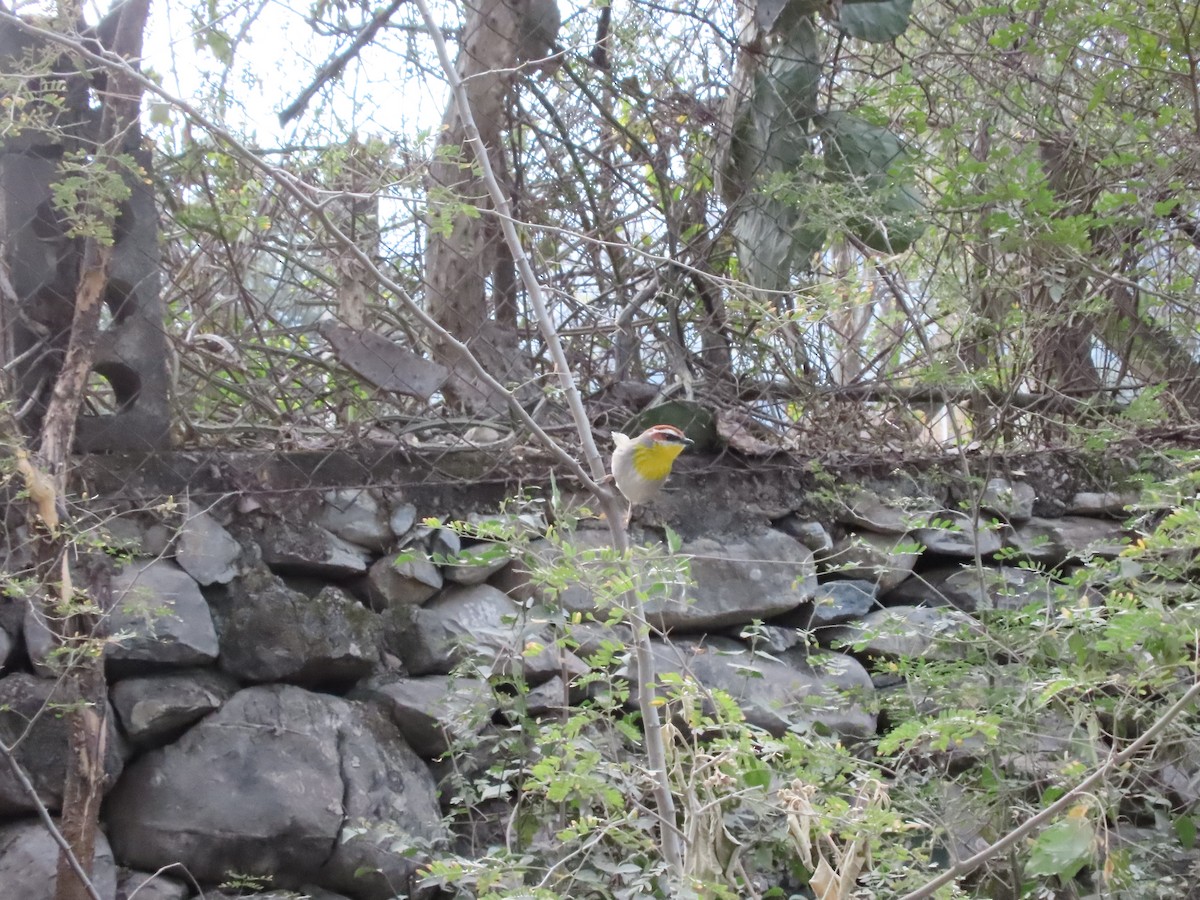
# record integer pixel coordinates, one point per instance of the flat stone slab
(908, 631)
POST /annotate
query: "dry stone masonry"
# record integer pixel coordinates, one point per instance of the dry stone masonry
(286, 670)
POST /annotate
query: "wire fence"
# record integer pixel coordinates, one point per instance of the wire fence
(285, 279)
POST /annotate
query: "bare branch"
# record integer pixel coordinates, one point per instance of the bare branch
(333, 68)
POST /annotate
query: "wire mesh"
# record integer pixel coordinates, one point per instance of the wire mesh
(1005, 324)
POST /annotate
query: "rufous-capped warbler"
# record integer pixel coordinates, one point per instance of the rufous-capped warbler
(640, 465)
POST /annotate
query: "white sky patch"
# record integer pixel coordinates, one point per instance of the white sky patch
(275, 54)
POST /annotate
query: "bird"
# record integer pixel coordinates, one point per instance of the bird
(640, 465)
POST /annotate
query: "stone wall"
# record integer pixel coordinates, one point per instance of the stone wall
(282, 644)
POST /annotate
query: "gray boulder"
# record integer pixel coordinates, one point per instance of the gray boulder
(889, 506)
(956, 534)
(354, 515)
(812, 535)
(12, 613)
(402, 518)
(536, 658)
(1010, 501)
(908, 631)
(266, 785)
(440, 542)
(1103, 503)
(160, 619)
(797, 692)
(885, 560)
(732, 582)
(205, 550)
(404, 578)
(1053, 742)
(133, 885)
(520, 580)
(770, 638)
(924, 588)
(464, 620)
(29, 863)
(550, 698)
(40, 642)
(1002, 587)
(309, 549)
(974, 590)
(477, 563)
(433, 711)
(1052, 542)
(138, 533)
(270, 632)
(1179, 774)
(736, 582)
(833, 602)
(31, 722)
(156, 709)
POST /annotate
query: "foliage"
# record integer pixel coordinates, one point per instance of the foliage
(87, 195)
(1042, 696)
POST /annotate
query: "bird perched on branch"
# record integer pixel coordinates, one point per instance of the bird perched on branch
(640, 465)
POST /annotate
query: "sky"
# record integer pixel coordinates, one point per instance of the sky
(393, 86)
(275, 53)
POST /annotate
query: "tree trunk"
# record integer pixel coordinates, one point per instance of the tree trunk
(462, 253)
(76, 615)
(1150, 352)
(357, 214)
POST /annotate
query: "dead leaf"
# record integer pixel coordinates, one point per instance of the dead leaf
(382, 362)
(41, 489)
(738, 431)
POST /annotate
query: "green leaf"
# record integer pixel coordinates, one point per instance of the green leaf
(774, 239)
(1064, 848)
(160, 112)
(1185, 830)
(875, 161)
(771, 133)
(674, 541)
(896, 223)
(757, 777)
(856, 149)
(879, 21)
(778, 16)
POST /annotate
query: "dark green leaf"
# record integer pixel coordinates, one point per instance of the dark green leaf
(879, 21)
(757, 777)
(774, 239)
(896, 221)
(854, 148)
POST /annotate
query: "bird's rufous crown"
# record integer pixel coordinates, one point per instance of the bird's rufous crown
(667, 434)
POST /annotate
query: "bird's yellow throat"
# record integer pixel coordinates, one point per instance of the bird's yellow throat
(654, 462)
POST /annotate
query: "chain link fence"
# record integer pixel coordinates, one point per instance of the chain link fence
(288, 276)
